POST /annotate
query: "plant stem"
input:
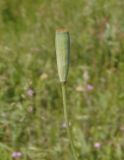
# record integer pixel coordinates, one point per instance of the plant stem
(67, 122)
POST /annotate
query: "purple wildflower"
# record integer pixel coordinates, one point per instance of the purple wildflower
(30, 92)
(16, 154)
(97, 145)
(90, 87)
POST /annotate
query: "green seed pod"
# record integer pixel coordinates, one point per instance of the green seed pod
(62, 53)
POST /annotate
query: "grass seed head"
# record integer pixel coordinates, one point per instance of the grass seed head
(62, 53)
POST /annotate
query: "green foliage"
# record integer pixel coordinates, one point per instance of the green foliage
(31, 115)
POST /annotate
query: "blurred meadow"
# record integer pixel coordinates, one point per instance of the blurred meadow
(32, 126)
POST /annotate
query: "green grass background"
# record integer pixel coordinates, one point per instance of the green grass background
(34, 125)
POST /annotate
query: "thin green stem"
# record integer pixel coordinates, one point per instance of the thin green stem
(67, 122)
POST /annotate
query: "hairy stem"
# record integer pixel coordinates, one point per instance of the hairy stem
(67, 122)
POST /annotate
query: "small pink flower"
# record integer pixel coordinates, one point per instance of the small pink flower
(97, 145)
(16, 154)
(90, 87)
(30, 92)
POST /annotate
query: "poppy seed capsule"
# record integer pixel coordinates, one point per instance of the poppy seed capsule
(62, 53)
